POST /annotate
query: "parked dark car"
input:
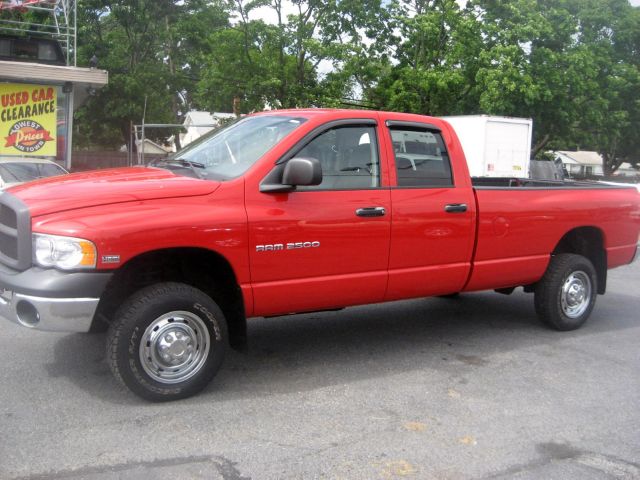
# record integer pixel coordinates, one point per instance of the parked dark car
(21, 170)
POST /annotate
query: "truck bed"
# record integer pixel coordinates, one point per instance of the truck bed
(510, 182)
(521, 222)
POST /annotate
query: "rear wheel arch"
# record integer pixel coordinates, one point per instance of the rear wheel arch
(588, 242)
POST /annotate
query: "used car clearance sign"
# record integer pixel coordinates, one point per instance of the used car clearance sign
(27, 119)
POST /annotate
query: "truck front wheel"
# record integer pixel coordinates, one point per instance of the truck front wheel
(566, 295)
(167, 342)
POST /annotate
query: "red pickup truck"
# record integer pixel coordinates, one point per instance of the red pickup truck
(287, 212)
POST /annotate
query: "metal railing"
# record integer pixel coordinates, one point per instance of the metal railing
(59, 25)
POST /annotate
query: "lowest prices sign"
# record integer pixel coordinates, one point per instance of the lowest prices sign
(27, 119)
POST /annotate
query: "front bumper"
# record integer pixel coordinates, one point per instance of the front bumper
(50, 314)
(47, 299)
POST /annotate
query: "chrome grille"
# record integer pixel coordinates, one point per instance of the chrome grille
(15, 232)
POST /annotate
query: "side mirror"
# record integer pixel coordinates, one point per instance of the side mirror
(302, 171)
(296, 171)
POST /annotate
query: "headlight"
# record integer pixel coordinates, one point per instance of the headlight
(66, 253)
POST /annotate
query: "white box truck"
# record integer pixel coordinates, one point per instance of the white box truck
(494, 146)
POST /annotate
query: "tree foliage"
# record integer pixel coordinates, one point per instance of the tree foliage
(432, 59)
(571, 65)
(562, 63)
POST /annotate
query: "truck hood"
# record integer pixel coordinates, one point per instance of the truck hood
(104, 187)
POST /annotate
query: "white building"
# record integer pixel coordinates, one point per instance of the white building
(581, 163)
(626, 170)
(150, 147)
(198, 123)
(40, 83)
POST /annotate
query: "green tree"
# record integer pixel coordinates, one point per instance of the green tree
(560, 63)
(278, 65)
(611, 29)
(148, 48)
(571, 65)
(533, 66)
(432, 62)
(254, 63)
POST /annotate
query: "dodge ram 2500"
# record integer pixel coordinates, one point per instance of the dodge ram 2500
(287, 212)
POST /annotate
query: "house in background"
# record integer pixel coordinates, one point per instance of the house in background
(581, 163)
(198, 123)
(626, 170)
(150, 147)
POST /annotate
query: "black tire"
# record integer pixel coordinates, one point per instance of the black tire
(566, 295)
(185, 340)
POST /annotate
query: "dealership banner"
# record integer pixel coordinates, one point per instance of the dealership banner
(27, 119)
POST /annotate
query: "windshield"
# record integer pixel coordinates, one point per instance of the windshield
(229, 151)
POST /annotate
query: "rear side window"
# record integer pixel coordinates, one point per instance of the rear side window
(421, 158)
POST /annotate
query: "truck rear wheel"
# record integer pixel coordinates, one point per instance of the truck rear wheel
(566, 295)
(167, 342)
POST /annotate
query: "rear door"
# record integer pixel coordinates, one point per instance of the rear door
(324, 246)
(433, 215)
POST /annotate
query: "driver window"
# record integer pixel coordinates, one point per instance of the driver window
(349, 158)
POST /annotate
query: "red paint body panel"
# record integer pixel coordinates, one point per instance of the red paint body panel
(517, 222)
(507, 272)
(431, 250)
(504, 239)
(215, 222)
(523, 226)
(105, 187)
(348, 245)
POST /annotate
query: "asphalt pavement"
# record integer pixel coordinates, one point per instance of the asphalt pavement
(466, 388)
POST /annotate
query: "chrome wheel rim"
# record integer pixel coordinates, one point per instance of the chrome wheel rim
(576, 294)
(174, 347)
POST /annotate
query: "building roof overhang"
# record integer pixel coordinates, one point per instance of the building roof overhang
(85, 80)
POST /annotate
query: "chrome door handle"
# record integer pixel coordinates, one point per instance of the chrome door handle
(456, 208)
(371, 212)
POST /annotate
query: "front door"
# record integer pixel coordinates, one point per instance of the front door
(325, 246)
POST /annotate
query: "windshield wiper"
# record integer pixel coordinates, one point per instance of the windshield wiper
(179, 162)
